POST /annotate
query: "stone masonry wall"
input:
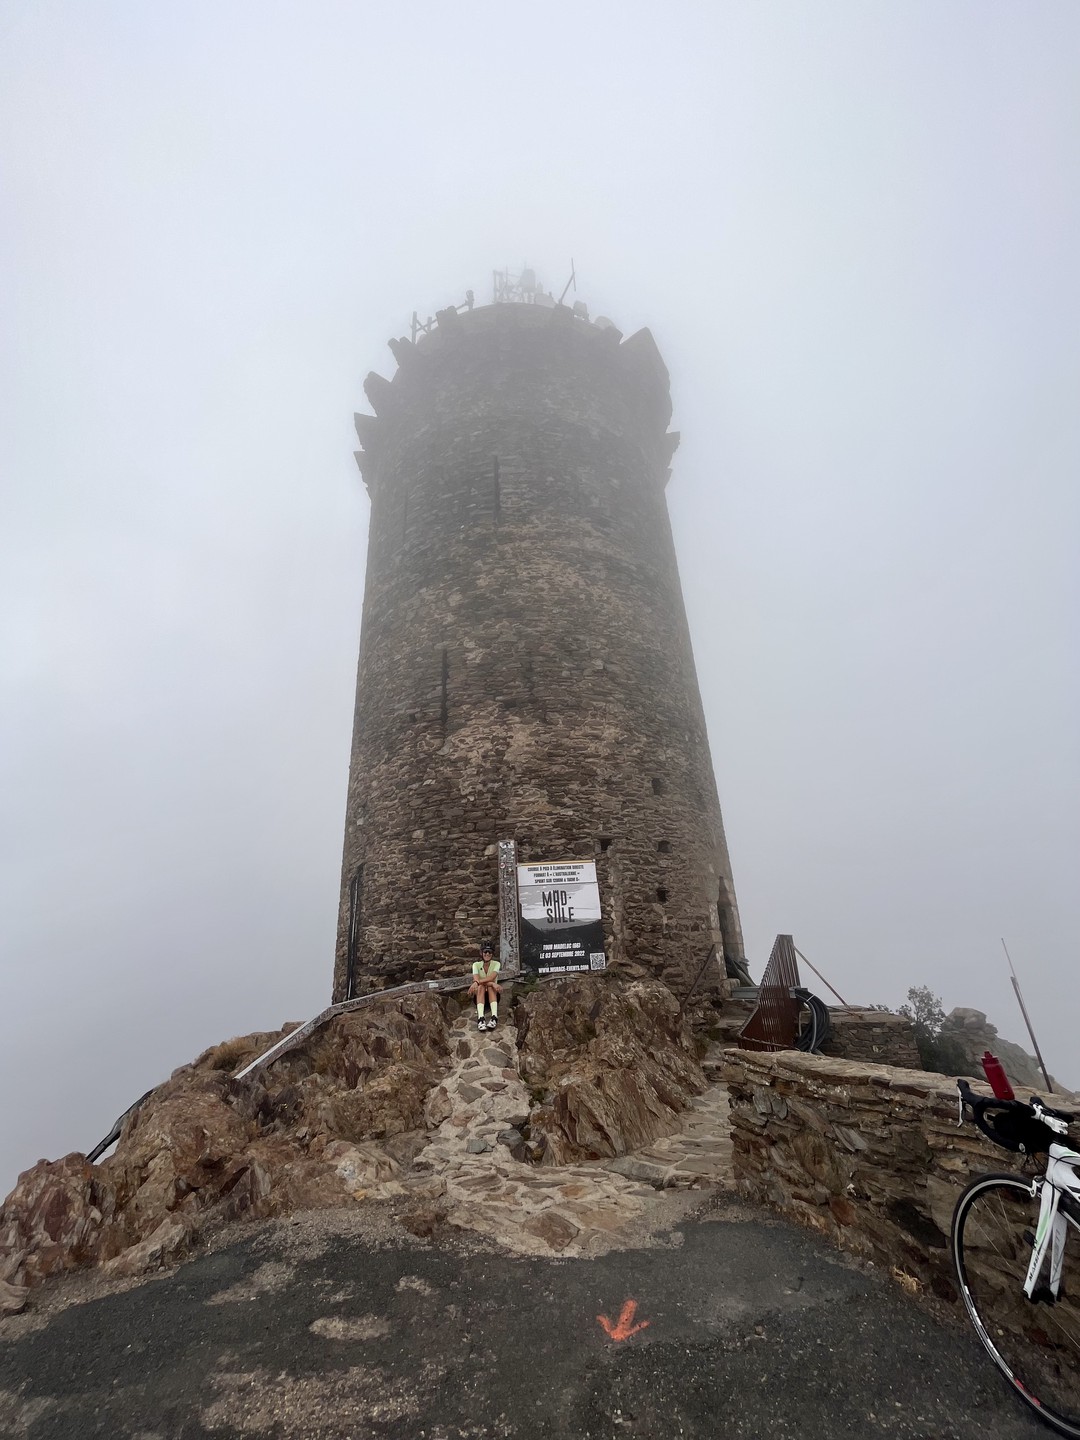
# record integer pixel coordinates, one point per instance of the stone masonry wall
(877, 1036)
(868, 1155)
(525, 663)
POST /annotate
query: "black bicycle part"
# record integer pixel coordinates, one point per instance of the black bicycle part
(1012, 1124)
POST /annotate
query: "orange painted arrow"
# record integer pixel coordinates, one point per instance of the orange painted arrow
(625, 1327)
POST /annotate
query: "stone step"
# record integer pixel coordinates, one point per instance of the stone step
(570, 1208)
(637, 1167)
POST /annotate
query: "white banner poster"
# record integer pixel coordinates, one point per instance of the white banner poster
(561, 925)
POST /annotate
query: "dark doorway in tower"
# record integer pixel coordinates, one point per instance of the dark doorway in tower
(356, 898)
(734, 960)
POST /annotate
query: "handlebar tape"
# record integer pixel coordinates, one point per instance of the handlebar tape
(1012, 1125)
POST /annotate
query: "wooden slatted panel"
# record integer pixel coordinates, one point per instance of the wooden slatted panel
(774, 1024)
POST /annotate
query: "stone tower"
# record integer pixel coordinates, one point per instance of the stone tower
(525, 664)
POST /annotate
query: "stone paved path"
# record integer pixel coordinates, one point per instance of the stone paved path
(699, 1154)
(569, 1209)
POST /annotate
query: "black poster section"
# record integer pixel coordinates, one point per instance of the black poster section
(561, 928)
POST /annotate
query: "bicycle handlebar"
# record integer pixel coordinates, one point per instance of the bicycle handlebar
(1014, 1124)
(980, 1104)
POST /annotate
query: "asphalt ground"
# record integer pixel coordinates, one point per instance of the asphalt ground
(753, 1329)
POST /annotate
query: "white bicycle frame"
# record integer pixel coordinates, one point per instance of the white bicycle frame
(1061, 1178)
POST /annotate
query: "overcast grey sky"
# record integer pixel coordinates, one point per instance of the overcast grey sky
(854, 229)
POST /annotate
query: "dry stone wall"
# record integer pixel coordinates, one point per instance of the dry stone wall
(525, 663)
(868, 1155)
(877, 1036)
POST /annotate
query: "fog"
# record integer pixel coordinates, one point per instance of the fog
(853, 231)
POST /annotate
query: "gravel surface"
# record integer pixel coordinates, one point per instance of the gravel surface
(339, 1326)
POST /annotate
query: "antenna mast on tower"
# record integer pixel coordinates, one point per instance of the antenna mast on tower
(520, 289)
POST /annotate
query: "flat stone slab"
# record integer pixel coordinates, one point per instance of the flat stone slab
(637, 1167)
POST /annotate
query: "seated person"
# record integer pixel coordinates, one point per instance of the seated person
(485, 987)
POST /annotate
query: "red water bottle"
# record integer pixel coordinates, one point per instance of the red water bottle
(995, 1074)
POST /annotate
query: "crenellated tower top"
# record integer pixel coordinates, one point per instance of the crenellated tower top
(634, 365)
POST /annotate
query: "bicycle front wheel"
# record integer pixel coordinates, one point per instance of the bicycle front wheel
(1035, 1343)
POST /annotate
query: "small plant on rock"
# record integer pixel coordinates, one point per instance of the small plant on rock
(937, 1052)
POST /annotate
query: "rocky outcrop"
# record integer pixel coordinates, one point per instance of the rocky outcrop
(612, 1064)
(391, 1102)
(322, 1124)
(12, 1298)
(968, 1034)
(478, 1181)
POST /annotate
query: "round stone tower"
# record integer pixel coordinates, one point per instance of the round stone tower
(525, 665)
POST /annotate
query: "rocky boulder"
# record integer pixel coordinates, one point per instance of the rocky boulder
(53, 1220)
(323, 1124)
(969, 1033)
(611, 1063)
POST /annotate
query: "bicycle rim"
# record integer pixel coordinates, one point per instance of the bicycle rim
(1035, 1344)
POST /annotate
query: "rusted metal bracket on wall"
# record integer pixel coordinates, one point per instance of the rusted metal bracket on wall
(704, 966)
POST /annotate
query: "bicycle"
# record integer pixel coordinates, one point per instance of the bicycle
(1009, 1234)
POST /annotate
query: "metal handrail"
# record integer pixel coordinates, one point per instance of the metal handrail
(509, 954)
(302, 1032)
(345, 1007)
(114, 1134)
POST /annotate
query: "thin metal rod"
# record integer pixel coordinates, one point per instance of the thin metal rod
(114, 1134)
(571, 281)
(697, 977)
(1027, 1021)
(819, 975)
